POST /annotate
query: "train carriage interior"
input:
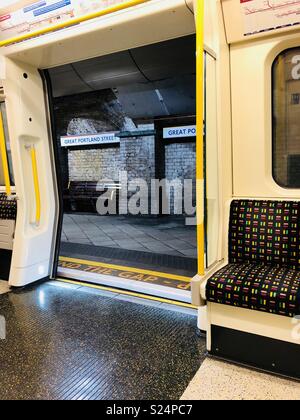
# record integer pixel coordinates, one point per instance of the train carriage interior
(149, 201)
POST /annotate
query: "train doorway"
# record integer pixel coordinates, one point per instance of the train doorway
(125, 129)
(166, 84)
(125, 134)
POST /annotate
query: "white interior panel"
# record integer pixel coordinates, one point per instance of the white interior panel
(251, 78)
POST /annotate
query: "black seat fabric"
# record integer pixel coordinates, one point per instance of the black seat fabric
(257, 286)
(265, 232)
(264, 256)
(8, 208)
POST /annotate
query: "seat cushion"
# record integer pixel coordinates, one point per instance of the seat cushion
(8, 208)
(257, 286)
(266, 232)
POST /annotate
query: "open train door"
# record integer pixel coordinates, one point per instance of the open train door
(23, 53)
(37, 201)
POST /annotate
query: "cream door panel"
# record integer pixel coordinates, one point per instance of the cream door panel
(27, 124)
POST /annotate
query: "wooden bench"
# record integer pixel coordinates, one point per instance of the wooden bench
(82, 196)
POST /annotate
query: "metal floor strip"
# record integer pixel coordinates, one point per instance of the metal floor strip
(126, 293)
(173, 287)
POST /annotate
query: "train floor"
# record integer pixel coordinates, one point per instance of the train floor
(64, 341)
(61, 341)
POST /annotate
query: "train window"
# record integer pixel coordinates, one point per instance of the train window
(2, 182)
(286, 121)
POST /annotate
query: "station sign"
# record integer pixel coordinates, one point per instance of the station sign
(261, 15)
(180, 132)
(89, 140)
(26, 16)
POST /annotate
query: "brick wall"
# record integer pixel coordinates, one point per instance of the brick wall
(181, 164)
(180, 161)
(101, 112)
(137, 157)
(87, 113)
(94, 165)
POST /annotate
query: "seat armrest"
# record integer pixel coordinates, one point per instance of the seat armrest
(198, 284)
(203, 290)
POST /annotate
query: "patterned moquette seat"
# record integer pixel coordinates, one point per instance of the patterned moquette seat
(8, 208)
(264, 259)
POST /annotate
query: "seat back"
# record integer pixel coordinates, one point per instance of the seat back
(265, 232)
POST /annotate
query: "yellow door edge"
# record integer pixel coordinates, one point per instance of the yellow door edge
(4, 157)
(199, 18)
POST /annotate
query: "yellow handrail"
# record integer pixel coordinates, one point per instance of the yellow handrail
(4, 158)
(199, 16)
(36, 186)
(90, 16)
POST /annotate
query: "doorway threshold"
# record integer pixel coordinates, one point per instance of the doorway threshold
(146, 282)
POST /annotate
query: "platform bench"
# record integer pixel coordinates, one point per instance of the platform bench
(83, 195)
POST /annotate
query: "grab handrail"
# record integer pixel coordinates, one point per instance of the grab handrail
(4, 157)
(72, 22)
(199, 17)
(36, 184)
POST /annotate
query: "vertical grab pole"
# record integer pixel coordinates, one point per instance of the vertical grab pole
(199, 16)
(36, 186)
(4, 158)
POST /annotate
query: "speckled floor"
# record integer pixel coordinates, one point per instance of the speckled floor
(69, 343)
(218, 380)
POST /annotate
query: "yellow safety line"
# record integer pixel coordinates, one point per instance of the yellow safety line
(36, 186)
(90, 16)
(128, 269)
(4, 157)
(199, 15)
(125, 292)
